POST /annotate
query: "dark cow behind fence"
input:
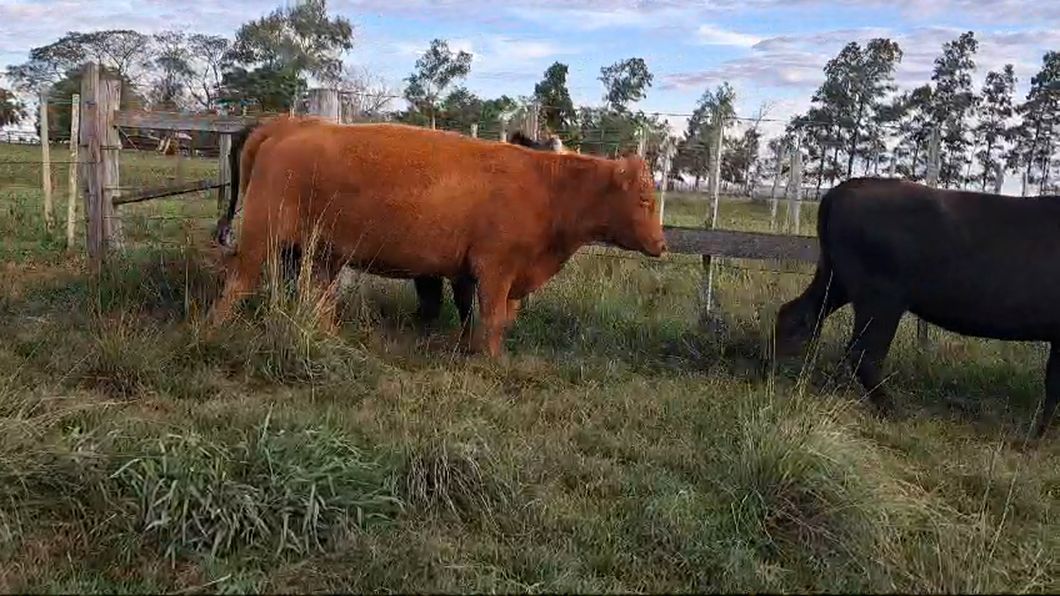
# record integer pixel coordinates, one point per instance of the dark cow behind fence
(429, 290)
(402, 201)
(978, 264)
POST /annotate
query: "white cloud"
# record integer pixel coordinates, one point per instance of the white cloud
(714, 35)
(496, 55)
(796, 62)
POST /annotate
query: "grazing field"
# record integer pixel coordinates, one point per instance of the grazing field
(619, 447)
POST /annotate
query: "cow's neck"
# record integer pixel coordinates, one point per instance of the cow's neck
(577, 188)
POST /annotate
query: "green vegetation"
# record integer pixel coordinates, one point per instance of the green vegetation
(617, 449)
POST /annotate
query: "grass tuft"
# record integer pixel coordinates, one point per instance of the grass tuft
(278, 489)
(460, 480)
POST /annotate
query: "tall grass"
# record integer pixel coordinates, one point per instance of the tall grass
(622, 448)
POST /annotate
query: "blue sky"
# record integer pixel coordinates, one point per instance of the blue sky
(769, 50)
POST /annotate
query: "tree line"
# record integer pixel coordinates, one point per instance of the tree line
(858, 121)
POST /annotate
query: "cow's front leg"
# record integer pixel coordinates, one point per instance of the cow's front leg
(493, 306)
(513, 312)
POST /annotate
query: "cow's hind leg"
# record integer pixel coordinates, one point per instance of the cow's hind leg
(875, 323)
(1052, 391)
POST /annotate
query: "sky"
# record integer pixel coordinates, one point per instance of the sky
(770, 51)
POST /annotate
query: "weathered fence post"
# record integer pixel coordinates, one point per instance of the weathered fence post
(532, 124)
(999, 177)
(715, 187)
(46, 160)
(795, 188)
(667, 162)
(931, 178)
(474, 130)
(110, 149)
(224, 173)
(778, 171)
(325, 104)
(91, 162)
(71, 200)
(504, 129)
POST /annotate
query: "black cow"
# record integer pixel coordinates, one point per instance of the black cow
(978, 264)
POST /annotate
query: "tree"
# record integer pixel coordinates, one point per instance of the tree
(369, 93)
(954, 102)
(994, 113)
(1036, 136)
(210, 59)
(12, 111)
(740, 162)
(299, 38)
(694, 151)
(272, 88)
(435, 70)
(913, 112)
(172, 64)
(277, 52)
(856, 82)
(554, 101)
(124, 52)
(626, 81)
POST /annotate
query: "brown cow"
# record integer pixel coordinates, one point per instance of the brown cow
(404, 201)
(429, 289)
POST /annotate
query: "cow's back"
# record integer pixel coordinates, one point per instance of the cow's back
(388, 190)
(954, 256)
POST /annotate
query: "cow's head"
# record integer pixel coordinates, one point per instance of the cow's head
(793, 327)
(634, 223)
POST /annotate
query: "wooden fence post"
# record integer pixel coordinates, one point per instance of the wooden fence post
(773, 203)
(71, 200)
(325, 104)
(110, 149)
(931, 178)
(46, 160)
(999, 177)
(224, 174)
(504, 129)
(715, 187)
(474, 130)
(795, 188)
(667, 163)
(91, 163)
(532, 123)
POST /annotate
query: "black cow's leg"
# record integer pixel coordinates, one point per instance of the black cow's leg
(464, 297)
(429, 295)
(874, 327)
(1052, 390)
(290, 265)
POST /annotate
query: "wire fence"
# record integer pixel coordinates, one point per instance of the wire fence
(157, 158)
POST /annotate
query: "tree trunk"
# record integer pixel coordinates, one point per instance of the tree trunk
(854, 140)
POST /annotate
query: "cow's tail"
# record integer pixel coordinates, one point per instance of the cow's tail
(824, 281)
(238, 178)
